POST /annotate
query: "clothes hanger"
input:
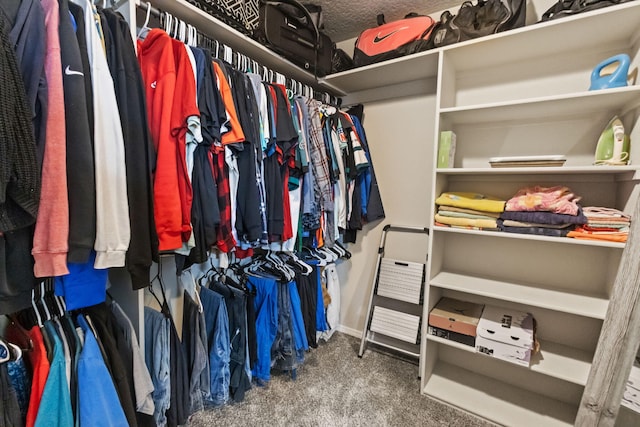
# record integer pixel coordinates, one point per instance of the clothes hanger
(168, 23)
(145, 27)
(182, 32)
(42, 301)
(36, 311)
(5, 353)
(157, 276)
(305, 269)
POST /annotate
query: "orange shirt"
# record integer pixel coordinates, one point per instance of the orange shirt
(235, 133)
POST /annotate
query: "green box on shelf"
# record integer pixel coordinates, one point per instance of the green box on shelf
(446, 149)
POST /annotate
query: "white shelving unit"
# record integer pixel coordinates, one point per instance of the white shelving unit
(525, 92)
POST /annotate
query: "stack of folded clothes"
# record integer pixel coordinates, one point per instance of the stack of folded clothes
(468, 210)
(603, 224)
(546, 211)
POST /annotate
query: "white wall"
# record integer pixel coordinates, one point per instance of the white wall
(400, 135)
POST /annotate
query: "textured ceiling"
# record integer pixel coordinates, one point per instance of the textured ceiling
(345, 19)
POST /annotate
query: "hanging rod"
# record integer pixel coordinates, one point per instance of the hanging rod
(314, 88)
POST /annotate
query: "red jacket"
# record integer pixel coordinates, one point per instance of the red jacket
(184, 106)
(158, 68)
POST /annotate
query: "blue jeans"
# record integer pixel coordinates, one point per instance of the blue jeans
(266, 305)
(217, 324)
(156, 348)
(282, 352)
(299, 332)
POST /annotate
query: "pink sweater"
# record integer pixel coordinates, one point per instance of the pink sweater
(50, 242)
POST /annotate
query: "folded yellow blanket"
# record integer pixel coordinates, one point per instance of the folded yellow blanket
(480, 223)
(475, 201)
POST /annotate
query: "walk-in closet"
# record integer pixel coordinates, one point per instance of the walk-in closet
(193, 223)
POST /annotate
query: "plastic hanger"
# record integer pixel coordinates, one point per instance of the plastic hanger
(5, 353)
(145, 27)
(36, 311)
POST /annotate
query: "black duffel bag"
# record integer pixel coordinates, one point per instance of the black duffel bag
(488, 17)
(287, 27)
(476, 20)
(572, 7)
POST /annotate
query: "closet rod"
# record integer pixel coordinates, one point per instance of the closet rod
(157, 13)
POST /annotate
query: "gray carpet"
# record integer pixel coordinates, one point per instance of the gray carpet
(336, 388)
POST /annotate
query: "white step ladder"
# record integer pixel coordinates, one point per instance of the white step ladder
(394, 315)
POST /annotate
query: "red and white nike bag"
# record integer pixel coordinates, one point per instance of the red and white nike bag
(398, 38)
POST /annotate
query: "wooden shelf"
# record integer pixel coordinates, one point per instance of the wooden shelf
(229, 36)
(530, 237)
(563, 106)
(592, 306)
(555, 360)
(495, 400)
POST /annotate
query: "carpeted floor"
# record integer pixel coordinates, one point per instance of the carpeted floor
(336, 388)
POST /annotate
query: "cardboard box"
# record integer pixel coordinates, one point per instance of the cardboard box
(453, 336)
(506, 334)
(446, 149)
(455, 315)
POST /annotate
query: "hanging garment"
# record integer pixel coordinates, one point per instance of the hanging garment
(50, 241)
(266, 305)
(307, 291)
(189, 285)
(119, 360)
(297, 322)
(236, 303)
(178, 411)
(157, 354)
(143, 386)
(333, 309)
(205, 208)
(321, 319)
(248, 219)
(79, 147)
(283, 355)
(113, 229)
(11, 415)
(195, 352)
(183, 111)
(27, 32)
(55, 406)
(157, 65)
(225, 240)
(217, 324)
(372, 201)
(38, 361)
(19, 169)
(138, 148)
(21, 383)
(84, 286)
(97, 397)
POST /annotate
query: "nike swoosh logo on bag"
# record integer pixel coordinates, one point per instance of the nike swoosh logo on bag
(378, 39)
(69, 72)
